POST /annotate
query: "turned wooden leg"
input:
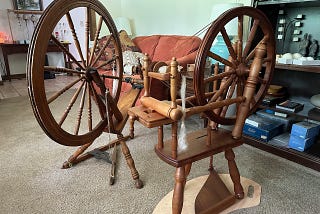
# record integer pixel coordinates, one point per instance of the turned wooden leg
(234, 174)
(132, 118)
(130, 162)
(75, 155)
(177, 199)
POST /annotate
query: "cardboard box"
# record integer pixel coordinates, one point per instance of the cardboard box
(300, 144)
(261, 133)
(305, 129)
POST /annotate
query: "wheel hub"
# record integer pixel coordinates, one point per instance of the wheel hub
(242, 69)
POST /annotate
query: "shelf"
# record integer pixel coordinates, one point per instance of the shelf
(304, 68)
(310, 159)
(25, 11)
(308, 3)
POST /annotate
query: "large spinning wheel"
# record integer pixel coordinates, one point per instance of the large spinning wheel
(83, 101)
(235, 69)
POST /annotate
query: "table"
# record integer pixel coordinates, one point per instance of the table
(12, 48)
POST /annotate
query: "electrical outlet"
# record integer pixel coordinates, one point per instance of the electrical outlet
(297, 24)
(280, 37)
(280, 29)
(300, 16)
(282, 21)
(296, 32)
(295, 39)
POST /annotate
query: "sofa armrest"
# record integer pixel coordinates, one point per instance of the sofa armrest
(183, 61)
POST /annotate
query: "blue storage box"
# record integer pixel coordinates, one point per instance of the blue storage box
(299, 143)
(287, 122)
(305, 129)
(262, 133)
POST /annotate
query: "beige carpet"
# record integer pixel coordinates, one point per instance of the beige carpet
(193, 187)
(31, 180)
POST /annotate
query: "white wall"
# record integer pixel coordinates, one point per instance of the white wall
(147, 17)
(184, 17)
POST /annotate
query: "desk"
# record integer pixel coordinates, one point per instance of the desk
(11, 48)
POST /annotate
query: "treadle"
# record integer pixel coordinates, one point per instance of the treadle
(197, 148)
(214, 196)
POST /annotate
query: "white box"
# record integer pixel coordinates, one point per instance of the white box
(306, 62)
(284, 61)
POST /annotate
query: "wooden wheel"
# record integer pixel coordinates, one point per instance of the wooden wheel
(230, 80)
(75, 114)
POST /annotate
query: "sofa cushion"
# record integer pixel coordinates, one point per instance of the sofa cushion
(147, 44)
(175, 46)
(126, 45)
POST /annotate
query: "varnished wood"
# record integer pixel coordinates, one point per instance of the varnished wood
(93, 91)
(240, 60)
(236, 84)
(197, 147)
(213, 192)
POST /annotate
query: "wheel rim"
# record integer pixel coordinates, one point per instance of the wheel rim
(231, 80)
(82, 114)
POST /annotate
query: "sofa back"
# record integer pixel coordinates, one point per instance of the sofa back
(164, 47)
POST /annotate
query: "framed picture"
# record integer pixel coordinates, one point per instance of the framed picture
(27, 5)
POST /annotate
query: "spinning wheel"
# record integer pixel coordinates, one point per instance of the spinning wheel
(79, 111)
(236, 68)
(243, 82)
(73, 126)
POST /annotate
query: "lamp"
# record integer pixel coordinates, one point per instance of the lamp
(219, 47)
(123, 23)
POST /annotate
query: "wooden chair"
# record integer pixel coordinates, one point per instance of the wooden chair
(242, 83)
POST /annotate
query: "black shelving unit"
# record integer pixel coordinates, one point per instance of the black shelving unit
(301, 81)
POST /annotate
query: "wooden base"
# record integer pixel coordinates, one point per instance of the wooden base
(214, 196)
(193, 187)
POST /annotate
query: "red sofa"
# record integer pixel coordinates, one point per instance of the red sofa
(159, 48)
(164, 48)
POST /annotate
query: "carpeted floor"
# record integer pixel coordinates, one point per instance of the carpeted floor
(31, 180)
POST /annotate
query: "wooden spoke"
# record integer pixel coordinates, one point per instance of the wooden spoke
(87, 34)
(229, 96)
(111, 77)
(107, 62)
(250, 38)
(266, 60)
(72, 101)
(219, 76)
(240, 38)
(63, 70)
(80, 110)
(228, 43)
(97, 33)
(99, 103)
(66, 88)
(251, 54)
(89, 109)
(74, 60)
(220, 59)
(75, 37)
(222, 89)
(101, 51)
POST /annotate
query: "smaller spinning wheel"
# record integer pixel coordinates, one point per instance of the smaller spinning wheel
(83, 101)
(234, 71)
